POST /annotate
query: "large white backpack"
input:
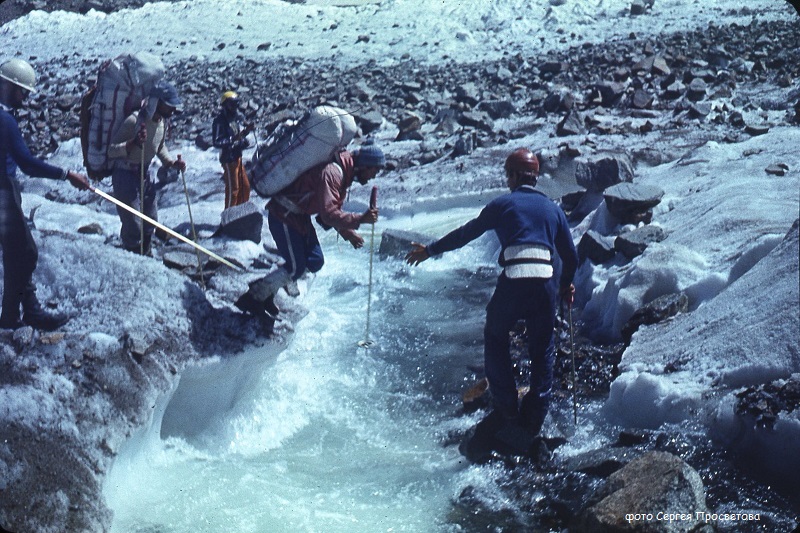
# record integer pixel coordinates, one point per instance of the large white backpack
(122, 84)
(313, 140)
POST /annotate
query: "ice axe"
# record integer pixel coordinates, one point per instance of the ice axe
(373, 203)
(160, 226)
(572, 353)
(191, 223)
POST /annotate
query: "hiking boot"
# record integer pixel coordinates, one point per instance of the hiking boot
(292, 289)
(41, 319)
(271, 308)
(137, 249)
(515, 438)
(480, 441)
(11, 323)
(247, 304)
(36, 317)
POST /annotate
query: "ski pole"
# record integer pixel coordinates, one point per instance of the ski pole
(163, 227)
(191, 223)
(373, 203)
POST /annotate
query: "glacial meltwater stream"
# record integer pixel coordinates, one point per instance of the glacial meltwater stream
(325, 436)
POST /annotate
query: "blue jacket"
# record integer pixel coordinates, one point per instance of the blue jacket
(524, 216)
(14, 154)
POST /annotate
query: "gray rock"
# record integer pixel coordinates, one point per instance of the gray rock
(595, 248)
(610, 93)
(369, 121)
(637, 7)
(91, 229)
(630, 202)
(468, 93)
(654, 312)
(642, 99)
(700, 110)
(674, 91)
(779, 169)
(697, 90)
(409, 128)
(497, 108)
(180, 260)
(572, 124)
(601, 172)
(656, 482)
(553, 67)
(635, 242)
(397, 243)
(137, 345)
(661, 67)
(479, 120)
(242, 222)
(756, 130)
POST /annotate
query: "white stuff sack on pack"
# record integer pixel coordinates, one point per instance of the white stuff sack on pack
(312, 141)
(122, 84)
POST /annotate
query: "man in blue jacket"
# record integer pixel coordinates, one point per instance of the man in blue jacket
(532, 230)
(17, 80)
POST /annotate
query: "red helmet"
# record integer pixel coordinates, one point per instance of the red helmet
(522, 160)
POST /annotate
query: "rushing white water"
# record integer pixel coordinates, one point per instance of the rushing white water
(324, 436)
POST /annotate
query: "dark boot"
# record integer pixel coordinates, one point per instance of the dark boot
(247, 304)
(271, 308)
(480, 441)
(9, 318)
(36, 317)
(9, 322)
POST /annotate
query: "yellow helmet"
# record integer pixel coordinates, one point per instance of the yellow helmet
(227, 95)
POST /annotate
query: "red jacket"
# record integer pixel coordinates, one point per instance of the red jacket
(320, 190)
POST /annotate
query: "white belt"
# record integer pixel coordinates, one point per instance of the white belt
(527, 261)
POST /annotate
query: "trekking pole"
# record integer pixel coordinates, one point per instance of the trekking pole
(373, 203)
(572, 352)
(141, 196)
(191, 223)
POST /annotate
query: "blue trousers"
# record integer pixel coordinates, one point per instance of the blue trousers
(300, 252)
(532, 300)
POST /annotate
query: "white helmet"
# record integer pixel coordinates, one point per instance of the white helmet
(19, 73)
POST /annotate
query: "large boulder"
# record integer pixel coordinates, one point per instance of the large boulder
(600, 172)
(631, 203)
(638, 496)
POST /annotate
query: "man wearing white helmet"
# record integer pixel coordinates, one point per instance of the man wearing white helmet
(17, 80)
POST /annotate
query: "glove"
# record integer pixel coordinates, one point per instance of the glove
(179, 164)
(568, 294)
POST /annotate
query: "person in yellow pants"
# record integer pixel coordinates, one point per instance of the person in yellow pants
(231, 138)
